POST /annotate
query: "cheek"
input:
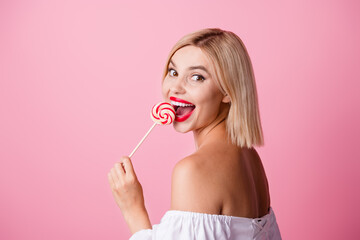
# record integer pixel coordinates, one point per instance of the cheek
(208, 98)
(164, 89)
(210, 103)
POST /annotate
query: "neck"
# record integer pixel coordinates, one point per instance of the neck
(215, 130)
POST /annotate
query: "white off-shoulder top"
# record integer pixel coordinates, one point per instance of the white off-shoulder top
(183, 225)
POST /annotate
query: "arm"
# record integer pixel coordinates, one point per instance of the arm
(137, 220)
(128, 194)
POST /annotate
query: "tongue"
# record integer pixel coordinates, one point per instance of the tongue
(183, 110)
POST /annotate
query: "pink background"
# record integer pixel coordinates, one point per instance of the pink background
(78, 79)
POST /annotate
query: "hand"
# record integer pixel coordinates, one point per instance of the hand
(128, 194)
(125, 187)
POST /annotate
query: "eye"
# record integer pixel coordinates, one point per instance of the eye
(172, 72)
(197, 78)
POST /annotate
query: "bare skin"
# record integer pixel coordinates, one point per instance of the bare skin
(128, 194)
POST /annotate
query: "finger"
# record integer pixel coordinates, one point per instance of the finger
(115, 175)
(129, 169)
(111, 180)
(119, 170)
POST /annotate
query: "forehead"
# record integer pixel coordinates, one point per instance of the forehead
(190, 56)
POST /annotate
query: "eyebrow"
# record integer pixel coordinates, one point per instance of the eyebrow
(194, 67)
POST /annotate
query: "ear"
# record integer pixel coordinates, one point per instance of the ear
(226, 99)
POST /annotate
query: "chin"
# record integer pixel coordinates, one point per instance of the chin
(181, 129)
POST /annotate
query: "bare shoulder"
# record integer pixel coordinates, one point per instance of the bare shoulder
(218, 179)
(191, 187)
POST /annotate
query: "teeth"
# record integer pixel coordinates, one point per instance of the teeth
(181, 104)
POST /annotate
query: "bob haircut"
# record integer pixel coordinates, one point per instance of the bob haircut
(234, 75)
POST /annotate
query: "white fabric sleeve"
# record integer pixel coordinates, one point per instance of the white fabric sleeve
(182, 225)
(177, 225)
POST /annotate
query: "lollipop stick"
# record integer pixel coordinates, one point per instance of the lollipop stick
(142, 140)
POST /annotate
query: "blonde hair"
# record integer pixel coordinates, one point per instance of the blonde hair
(235, 77)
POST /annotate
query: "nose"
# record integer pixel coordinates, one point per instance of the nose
(177, 86)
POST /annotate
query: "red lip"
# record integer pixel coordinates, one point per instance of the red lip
(186, 116)
(180, 100)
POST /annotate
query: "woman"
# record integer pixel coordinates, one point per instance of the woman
(221, 190)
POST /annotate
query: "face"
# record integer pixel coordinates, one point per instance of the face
(189, 86)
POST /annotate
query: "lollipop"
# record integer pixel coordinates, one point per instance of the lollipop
(163, 114)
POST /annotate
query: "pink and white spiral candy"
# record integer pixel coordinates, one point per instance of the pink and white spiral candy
(163, 113)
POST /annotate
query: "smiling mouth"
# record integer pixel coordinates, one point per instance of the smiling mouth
(183, 110)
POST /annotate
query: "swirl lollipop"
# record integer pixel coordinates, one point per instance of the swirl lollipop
(163, 114)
